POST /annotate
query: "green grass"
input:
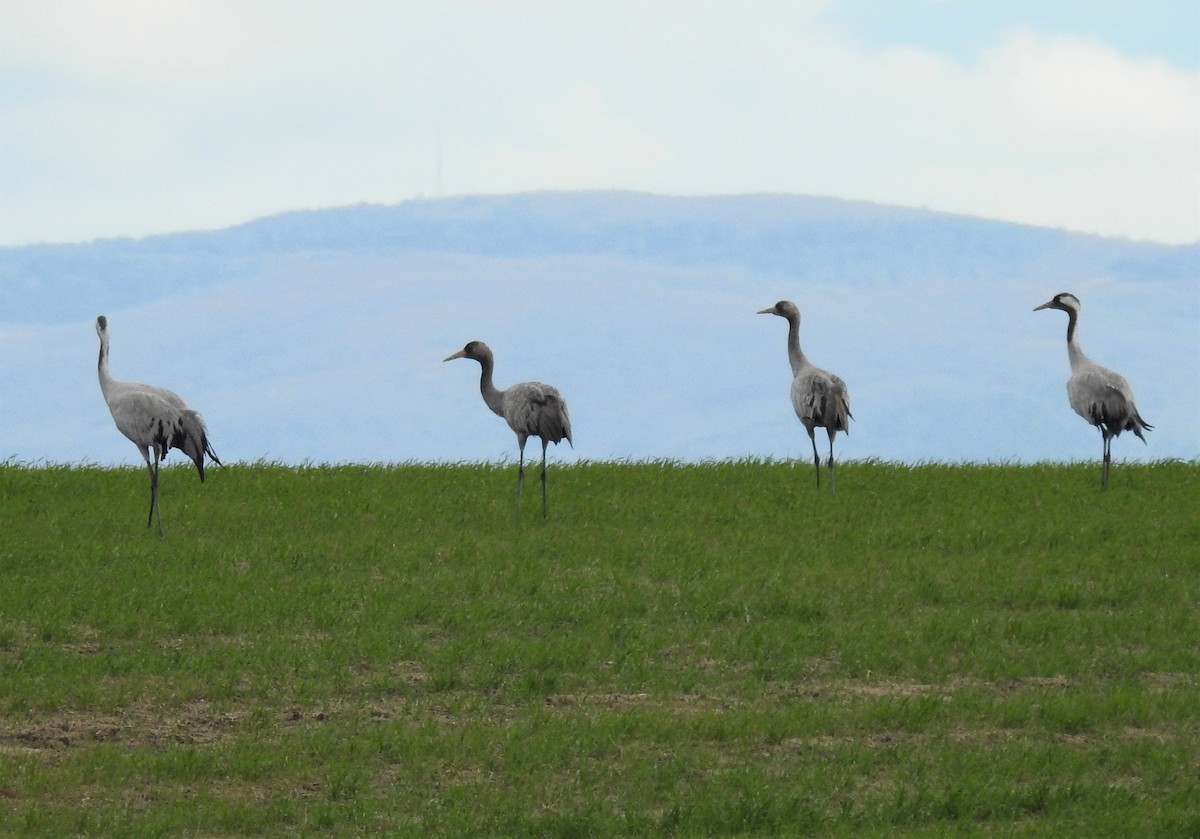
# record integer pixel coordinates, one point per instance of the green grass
(704, 650)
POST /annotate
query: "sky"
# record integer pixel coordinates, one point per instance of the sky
(135, 117)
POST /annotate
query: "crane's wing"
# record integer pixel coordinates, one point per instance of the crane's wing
(821, 399)
(151, 420)
(537, 410)
(1103, 397)
(144, 416)
(169, 395)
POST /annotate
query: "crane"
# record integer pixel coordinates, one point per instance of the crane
(819, 397)
(531, 409)
(153, 418)
(1099, 395)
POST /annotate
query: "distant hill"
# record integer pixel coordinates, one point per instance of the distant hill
(825, 239)
(318, 335)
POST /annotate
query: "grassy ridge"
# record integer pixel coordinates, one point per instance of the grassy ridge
(681, 650)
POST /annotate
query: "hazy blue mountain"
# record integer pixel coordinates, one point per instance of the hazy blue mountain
(318, 335)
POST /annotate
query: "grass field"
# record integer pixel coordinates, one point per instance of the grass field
(679, 650)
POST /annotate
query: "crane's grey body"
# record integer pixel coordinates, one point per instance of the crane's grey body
(154, 419)
(820, 398)
(531, 409)
(1099, 395)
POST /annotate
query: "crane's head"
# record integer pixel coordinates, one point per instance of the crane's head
(1064, 301)
(476, 350)
(785, 309)
(101, 325)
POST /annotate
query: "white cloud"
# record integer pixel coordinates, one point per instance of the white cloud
(138, 36)
(1066, 93)
(574, 141)
(247, 109)
(1112, 145)
(1053, 132)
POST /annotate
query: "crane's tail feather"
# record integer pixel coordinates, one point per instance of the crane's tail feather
(191, 438)
(208, 450)
(1137, 424)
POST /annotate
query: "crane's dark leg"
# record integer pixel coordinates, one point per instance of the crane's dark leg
(155, 510)
(816, 458)
(1107, 460)
(830, 463)
(520, 475)
(543, 478)
(153, 493)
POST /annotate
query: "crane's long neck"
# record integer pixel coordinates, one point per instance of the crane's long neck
(106, 379)
(795, 354)
(491, 396)
(1074, 353)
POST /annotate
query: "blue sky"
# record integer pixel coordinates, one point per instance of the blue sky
(1166, 31)
(131, 117)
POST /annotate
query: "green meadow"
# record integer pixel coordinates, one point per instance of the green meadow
(677, 650)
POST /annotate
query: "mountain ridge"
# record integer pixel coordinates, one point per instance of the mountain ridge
(317, 335)
(764, 232)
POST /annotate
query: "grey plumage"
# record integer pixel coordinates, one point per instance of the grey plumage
(820, 398)
(154, 419)
(1099, 395)
(531, 409)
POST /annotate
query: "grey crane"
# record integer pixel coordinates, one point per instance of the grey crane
(819, 397)
(1099, 395)
(531, 409)
(154, 419)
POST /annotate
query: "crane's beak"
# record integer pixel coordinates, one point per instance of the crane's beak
(769, 311)
(460, 354)
(1048, 304)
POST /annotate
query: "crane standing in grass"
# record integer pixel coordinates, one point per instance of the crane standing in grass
(531, 409)
(1099, 395)
(153, 418)
(819, 397)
